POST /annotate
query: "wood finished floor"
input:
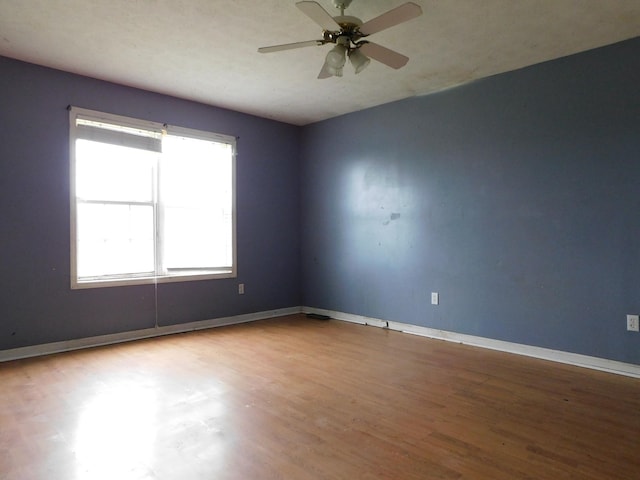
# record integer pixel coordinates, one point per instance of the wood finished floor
(294, 398)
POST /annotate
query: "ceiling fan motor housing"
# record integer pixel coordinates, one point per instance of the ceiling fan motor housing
(348, 28)
(347, 22)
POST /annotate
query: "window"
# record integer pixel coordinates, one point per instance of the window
(149, 202)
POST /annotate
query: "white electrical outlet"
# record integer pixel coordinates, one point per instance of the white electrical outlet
(241, 289)
(633, 324)
(435, 298)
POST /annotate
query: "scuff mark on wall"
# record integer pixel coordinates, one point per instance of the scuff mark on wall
(392, 217)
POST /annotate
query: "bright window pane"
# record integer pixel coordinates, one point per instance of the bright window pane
(196, 238)
(195, 186)
(114, 239)
(113, 173)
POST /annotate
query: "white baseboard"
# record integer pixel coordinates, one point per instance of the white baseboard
(611, 366)
(595, 363)
(65, 346)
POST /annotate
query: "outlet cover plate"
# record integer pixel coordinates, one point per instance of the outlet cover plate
(633, 323)
(435, 298)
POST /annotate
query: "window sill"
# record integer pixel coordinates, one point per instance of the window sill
(121, 282)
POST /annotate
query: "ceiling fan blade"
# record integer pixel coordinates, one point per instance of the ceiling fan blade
(315, 12)
(290, 46)
(393, 17)
(384, 55)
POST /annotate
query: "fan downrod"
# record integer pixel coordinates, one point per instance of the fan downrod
(341, 5)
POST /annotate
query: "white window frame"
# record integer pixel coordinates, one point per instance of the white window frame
(159, 129)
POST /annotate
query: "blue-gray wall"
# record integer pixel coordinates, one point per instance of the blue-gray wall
(36, 303)
(517, 198)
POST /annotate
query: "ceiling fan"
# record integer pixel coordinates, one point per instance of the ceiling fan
(347, 33)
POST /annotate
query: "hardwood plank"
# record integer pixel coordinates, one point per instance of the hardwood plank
(293, 398)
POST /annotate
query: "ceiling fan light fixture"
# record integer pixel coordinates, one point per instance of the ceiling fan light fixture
(336, 57)
(359, 60)
(336, 72)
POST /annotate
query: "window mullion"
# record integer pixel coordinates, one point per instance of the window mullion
(157, 216)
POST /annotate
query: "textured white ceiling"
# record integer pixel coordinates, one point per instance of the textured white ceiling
(206, 50)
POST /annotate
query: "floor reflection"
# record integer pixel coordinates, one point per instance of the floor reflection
(116, 433)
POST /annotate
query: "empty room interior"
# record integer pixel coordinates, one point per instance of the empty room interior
(319, 240)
